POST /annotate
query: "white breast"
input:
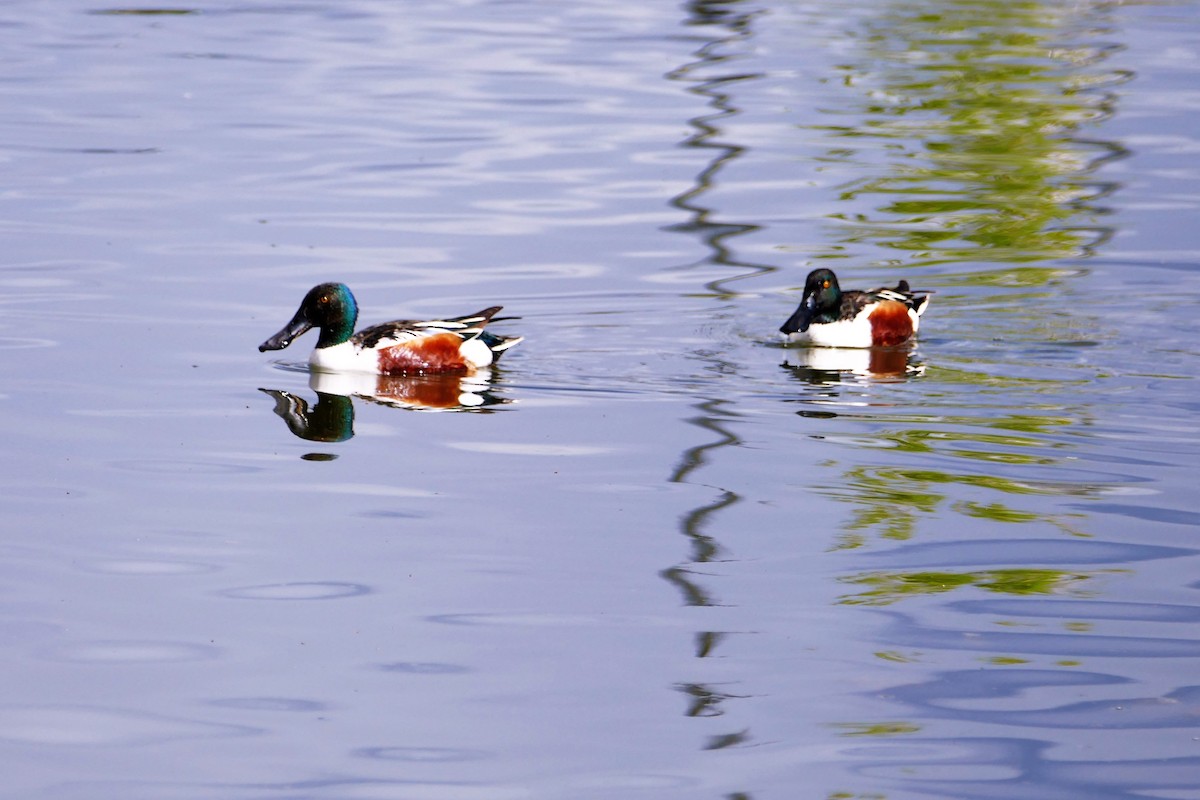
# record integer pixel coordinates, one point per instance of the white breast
(344, 357)
(843, 333)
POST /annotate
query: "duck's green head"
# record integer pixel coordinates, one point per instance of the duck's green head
(330, 308)
(820, 303)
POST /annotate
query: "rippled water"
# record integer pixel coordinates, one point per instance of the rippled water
(653, 553)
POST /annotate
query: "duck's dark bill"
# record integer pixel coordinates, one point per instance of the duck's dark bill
(799, 321)
(297, 326)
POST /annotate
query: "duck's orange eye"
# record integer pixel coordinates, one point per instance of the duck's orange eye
(826, 284)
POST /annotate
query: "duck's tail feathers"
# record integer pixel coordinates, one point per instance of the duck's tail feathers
(478, 319)
(499, 344)
(919, 304)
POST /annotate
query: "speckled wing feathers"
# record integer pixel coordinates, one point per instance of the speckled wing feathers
(901, 294)
(468, 327)
(853, 302)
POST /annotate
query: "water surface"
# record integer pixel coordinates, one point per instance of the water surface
(652, 553)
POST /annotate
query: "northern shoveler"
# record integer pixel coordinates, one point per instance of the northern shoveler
(443, 346)
(831, 317)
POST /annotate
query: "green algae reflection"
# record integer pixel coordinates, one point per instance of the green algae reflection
(966, 138)
(885, 588)
(891, 500)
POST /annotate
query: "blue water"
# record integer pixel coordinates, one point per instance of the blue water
(653, 554)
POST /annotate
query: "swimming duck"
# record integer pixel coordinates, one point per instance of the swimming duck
(455, 345)
(831, 317)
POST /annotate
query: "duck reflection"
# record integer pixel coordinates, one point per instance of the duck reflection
(331, 419)
(824, 365)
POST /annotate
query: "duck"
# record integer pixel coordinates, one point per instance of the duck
(829, 316)
(455, 345)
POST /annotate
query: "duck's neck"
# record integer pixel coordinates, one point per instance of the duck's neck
(829, 309)
(340, 330)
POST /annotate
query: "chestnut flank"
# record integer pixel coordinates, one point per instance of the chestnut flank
(890, 324)
(438, 354)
